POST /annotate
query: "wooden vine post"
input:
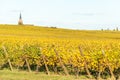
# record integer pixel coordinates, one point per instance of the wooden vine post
(44, 60)
(61, 63)
(27, 63)
(111, 71)
(99, 70)
(6, 56)
(85, 62)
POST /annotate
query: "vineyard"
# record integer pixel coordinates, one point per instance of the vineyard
(95, 54)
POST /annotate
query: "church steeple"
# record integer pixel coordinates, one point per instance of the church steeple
(20, 16)
(20, 22)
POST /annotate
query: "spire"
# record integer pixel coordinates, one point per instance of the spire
(20, 22)
(20, 16)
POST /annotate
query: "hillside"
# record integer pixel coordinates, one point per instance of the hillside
(16, 31)
(60, 51)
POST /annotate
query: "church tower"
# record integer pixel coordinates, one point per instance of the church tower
(20, 22)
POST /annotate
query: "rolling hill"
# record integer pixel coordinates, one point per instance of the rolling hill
(17, 31)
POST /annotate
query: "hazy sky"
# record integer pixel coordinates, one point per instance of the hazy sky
(75, 14)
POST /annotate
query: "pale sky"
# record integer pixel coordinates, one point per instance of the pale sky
(72, 14)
